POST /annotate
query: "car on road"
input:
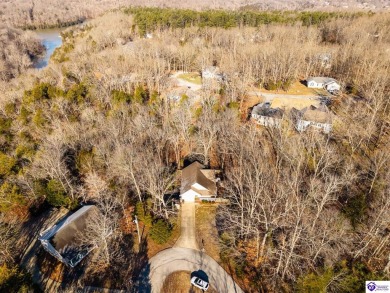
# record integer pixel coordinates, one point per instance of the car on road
(198, 282)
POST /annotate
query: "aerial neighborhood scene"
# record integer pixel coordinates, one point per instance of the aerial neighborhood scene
(195, 146)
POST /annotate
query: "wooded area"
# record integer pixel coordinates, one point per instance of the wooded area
(17, 51)
(308, 211)
(54, 13)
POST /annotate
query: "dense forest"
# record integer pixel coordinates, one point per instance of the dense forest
(306, 212)
(18, 49)
(49, 13)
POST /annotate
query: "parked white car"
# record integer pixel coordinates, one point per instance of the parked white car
(198, 282)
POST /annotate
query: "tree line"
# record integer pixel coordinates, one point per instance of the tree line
(149, 19)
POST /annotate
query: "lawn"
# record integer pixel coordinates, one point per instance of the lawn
(179, 282)
(192, 77)
(296, 103)
(207, 230)
(298, 88)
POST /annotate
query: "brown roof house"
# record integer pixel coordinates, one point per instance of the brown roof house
(316, 117)
(197, 183)
(61, 240)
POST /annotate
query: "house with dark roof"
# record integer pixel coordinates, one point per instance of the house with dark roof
(267, 116)
(62, 239)
(197, 183)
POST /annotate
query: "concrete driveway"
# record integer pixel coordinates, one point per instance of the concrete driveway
(176, 259)
(185, 256)
(187, 237)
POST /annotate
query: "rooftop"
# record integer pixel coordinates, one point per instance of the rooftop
(320, 79)
(63, 237)
(265, 109)
(194, 174)
(319, 114)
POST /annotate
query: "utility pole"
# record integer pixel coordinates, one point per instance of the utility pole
(139, 236)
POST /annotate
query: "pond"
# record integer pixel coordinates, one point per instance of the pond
(51, 39)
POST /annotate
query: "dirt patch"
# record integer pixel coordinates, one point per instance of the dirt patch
(180, 282)
(296, 103)
(297, 88)
(206, 229)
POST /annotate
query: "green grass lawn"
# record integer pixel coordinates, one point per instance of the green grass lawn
(191, 77)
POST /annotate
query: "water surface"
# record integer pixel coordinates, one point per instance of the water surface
(51, 39)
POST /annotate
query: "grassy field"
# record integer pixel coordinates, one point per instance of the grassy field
(179, 282)
(192, 77)
(297, 88)
(206, 229)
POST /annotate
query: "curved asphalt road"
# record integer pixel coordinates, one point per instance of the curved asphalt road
(176, 259)
(185, 256)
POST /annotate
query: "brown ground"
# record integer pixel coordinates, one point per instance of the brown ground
(293, 103)
(154, 248)
(297, 88)
(179, 282)
(206, 229)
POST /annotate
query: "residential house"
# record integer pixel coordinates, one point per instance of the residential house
(197, 183)
(212, 77)
(264, 115)
(178, 94)
(327, 83)
(62, 239)
(312, 116)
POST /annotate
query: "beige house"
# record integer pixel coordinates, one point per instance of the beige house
(197, 183)
(316, 117)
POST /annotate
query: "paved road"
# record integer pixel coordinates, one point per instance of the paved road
(187, 237)
(176, 259)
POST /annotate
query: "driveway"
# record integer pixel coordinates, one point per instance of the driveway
(176, 259)
(187, 237)
(184, 83)
(185, 256)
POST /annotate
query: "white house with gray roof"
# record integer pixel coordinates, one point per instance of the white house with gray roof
(330, 84)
